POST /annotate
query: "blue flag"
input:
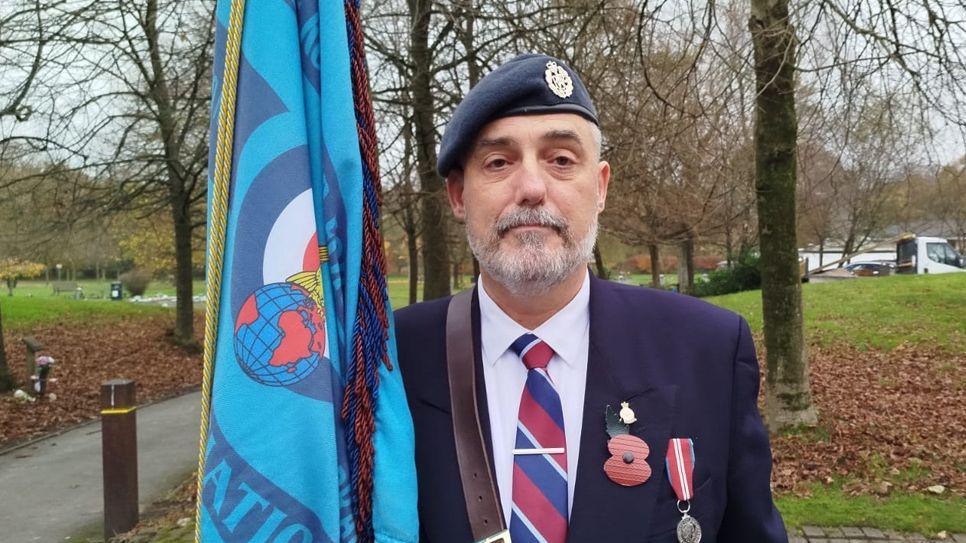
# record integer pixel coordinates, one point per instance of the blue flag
(294, 452)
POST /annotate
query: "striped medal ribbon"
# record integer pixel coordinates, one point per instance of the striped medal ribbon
(680, 470)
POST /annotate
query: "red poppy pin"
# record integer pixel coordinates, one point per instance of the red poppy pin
(627, 465)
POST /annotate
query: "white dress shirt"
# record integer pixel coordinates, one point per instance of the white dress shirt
(567, 332)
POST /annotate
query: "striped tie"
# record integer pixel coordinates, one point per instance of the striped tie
(539, 480)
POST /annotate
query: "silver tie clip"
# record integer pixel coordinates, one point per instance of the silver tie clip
(554, 450)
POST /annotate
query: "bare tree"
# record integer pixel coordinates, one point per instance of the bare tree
(678, 134)
(435, 249)
(788, 399)
(35, 36)
(816, 207)
(950, 199)
(402, 200)
(405, 49)
(883, 44)
(136, 117)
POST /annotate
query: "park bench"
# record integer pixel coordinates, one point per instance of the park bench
(65, 286)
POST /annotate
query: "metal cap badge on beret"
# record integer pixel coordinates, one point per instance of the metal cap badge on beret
(529, 84)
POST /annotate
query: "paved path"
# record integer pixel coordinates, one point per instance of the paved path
(854, 534)
(52, 488)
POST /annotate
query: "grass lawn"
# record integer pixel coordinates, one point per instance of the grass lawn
(21, 312)
(34, 302)
(875, 312)
(94, 289)
(399, 291)
(644, 279)
(880, 314)
(831, 506)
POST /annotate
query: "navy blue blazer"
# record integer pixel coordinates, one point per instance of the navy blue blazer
(688, 369)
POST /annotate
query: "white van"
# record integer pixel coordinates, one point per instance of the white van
(920, 254)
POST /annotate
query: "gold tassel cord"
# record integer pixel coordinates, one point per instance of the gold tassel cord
(217, 226)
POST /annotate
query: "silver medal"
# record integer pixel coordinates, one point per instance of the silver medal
(689, 531)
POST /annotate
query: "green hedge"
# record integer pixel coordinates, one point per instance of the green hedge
(744, 274)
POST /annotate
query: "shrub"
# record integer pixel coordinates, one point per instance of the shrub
(136, 281)
(744, 274)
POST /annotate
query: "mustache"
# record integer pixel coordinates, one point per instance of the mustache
(530, 216)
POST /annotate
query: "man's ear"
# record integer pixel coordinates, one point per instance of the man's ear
(454, 190)
(603, 181)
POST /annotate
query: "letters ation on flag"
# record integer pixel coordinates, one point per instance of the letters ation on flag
(299, 350)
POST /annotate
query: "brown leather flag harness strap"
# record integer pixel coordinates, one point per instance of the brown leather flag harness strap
(479, 491)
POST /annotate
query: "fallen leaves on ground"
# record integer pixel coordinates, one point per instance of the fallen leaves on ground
(888, 421)
(139, 348)
(170, 519)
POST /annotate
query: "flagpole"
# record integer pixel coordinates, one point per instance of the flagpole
(216, 229)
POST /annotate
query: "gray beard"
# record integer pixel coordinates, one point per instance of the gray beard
(534, 268)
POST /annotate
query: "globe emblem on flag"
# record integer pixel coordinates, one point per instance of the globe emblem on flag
(280, 334)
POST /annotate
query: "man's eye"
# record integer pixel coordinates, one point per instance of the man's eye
(562, 161)
(496, 163)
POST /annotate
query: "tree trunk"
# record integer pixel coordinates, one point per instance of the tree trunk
(435, 248)
(655, 253)
(847, 249)
(467, 36)
(184, 308)
(686, 266)
(412, 249)
(6, 379)
(788, 399)
(599, 262)
(473, 70)
(180, 199)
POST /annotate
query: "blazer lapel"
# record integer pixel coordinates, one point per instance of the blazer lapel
(617, 372)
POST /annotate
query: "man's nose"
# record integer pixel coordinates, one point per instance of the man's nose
(531, 186)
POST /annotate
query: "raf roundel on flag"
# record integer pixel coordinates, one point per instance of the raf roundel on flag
(279, 461)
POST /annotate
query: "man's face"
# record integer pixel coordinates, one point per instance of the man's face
(530, 192)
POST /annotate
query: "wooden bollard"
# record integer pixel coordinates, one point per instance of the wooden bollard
(120, 456)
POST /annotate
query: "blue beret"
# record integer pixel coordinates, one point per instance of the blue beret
(527, 85)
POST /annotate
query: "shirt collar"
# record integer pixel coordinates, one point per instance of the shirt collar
(562, 331)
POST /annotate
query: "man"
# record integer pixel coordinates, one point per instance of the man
(566, 361)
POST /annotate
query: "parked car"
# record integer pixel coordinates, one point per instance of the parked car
(869, 269)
